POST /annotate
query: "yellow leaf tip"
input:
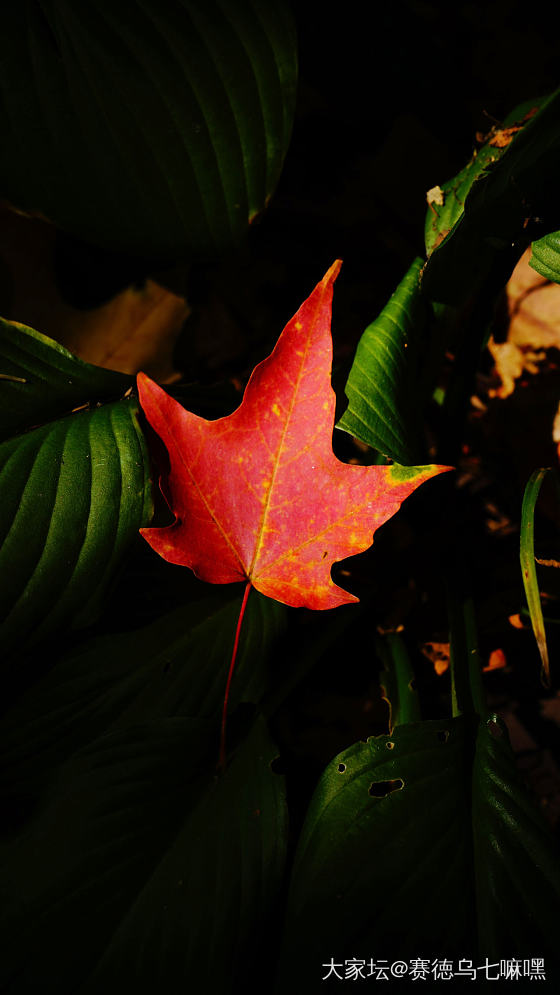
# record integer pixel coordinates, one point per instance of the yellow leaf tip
(333, 271)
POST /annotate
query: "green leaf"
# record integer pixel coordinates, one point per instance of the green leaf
(528, 565)
(381, 410)
(517, 871)
(41, 380)
(175, 666)
(545, 256)
(413, 847)
(143, 872)
(441, 218)
(73, 495)
(491, 229)
(151, 128)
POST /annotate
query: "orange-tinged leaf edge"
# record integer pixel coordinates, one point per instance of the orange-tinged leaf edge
(279, 437)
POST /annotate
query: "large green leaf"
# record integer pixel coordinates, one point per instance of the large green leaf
(413, 847)
(380, 387)
(143, 872)
(73, 491)
(40, 380)
(73, 494)
(156, 127)
(175, 666)
(520, 185)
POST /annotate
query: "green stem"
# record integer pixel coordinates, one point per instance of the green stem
(397, 680)
(467, 690)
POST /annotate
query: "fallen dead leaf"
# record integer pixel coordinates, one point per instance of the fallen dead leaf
(516, 621)
(496, 661)
(136, 329)
(534, 326)
(438, 653)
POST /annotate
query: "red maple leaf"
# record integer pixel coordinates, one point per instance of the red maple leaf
(259, 496)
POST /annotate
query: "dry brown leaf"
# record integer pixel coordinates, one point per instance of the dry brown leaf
(496, 661)
(534, 326)
(503, 136)
(135, 330)
(438, 653)
(556, 430)
(516, 621)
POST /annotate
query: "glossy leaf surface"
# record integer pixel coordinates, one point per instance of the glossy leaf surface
(259, 495)
(380, 387)
(73, 491)
(152, 128)
(411, 844)
(41, 380)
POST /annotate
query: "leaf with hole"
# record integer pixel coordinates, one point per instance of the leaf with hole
(441, 218)
(414, 822)
(491, 228)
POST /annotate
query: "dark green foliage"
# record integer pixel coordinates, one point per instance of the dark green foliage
(158, 129)
(380, 387)
(500, 201)
(411, 842)
(142, 867)
(127, 859)
(74, 490)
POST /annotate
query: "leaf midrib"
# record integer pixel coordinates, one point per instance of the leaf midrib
(280, 447)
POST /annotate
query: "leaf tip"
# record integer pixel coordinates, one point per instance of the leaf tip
(332, 273)
(142, 380)
(403, 474)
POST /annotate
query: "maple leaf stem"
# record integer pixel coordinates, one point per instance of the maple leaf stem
(222, 760)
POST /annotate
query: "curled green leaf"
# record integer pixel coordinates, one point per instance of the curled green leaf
(379, 387)
(528, 565)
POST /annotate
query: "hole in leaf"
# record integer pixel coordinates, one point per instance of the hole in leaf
(443, 735)
(494, 728)
(412, 684)
(390, 745)
(341, 768)
(278, 766)
(380, 789)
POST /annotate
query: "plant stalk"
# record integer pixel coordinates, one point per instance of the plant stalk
(222, 758)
